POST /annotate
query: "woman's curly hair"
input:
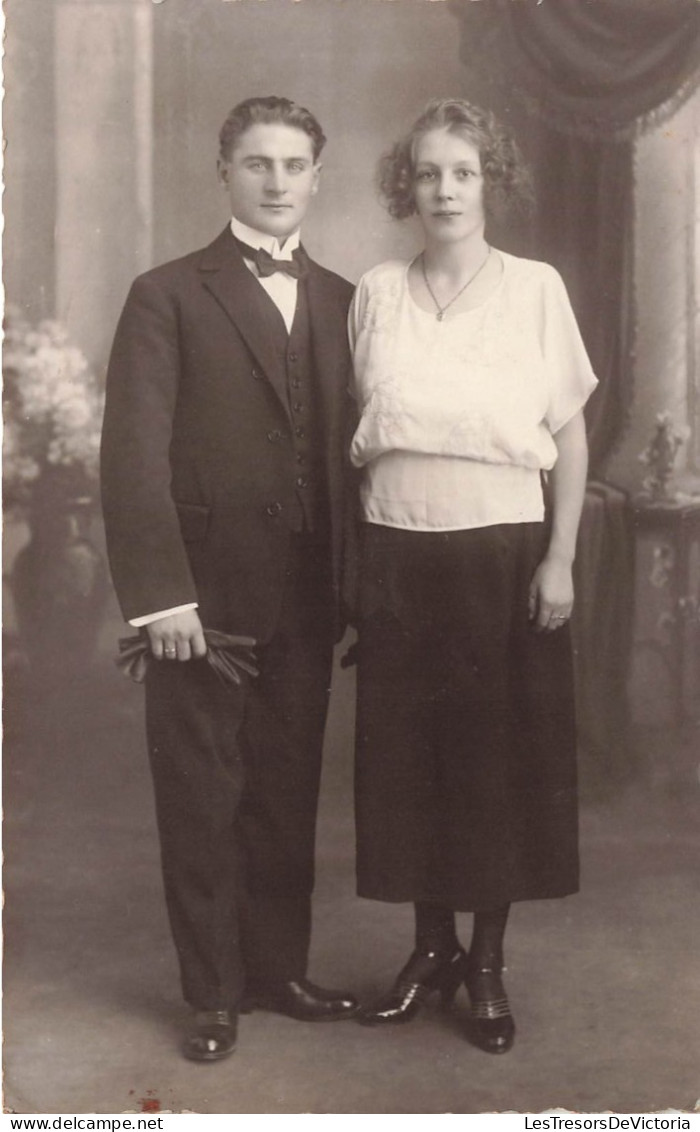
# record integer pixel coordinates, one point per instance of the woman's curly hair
(507, 180)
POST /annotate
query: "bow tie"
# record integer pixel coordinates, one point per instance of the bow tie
(267, 265)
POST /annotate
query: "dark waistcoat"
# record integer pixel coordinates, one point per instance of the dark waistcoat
(311, 510)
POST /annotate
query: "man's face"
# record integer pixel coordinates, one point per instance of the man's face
(270, 178)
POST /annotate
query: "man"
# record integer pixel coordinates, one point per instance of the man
(223, 466)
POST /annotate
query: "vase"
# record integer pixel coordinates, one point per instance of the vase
(660, 458)
(60, 587)
(659, 483)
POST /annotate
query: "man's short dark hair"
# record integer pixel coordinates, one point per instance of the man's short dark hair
(253, 111)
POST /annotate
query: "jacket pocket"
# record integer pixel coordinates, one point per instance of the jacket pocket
(194, 521)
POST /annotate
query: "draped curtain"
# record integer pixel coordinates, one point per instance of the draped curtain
(598, 67)
(591, 75)
(584, 78)
(583, 226)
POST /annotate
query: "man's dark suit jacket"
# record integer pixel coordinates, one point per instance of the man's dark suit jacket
(198, 483)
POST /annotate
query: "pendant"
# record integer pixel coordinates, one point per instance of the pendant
(439, 316)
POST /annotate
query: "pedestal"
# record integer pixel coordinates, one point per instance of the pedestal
(666, 667)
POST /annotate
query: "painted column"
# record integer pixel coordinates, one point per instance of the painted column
(665, 254)
(104, 116)
(29, 127)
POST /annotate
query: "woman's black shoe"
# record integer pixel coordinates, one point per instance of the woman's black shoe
(492, 1026)
(425, 973)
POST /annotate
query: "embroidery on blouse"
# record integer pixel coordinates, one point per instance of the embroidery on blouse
(382, 306)
(471, 435)
(384, 408)
(474, 348)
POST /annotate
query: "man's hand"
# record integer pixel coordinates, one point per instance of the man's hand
(177, 637)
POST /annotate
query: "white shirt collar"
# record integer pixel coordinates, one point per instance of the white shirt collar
(257, 239)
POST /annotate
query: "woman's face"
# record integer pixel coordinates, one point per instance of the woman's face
(448, 186)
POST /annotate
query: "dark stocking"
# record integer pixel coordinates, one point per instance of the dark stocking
(486, 949)
(435, 928)
(486, 953)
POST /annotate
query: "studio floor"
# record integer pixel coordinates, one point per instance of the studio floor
(604, 986)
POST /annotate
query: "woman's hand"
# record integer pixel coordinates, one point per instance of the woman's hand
(551, 597)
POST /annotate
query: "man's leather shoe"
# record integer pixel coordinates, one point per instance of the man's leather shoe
(301, 1000)
(212, 1036)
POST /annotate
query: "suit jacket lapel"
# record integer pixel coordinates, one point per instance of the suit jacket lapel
(236, 289)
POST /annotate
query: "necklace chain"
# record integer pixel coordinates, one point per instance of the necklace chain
(441, 310)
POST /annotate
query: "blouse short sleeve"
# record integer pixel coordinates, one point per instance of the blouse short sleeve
(569, 373)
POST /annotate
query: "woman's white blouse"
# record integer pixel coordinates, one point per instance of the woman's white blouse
(457, 416)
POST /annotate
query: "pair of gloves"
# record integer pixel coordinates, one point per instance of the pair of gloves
(230, 656)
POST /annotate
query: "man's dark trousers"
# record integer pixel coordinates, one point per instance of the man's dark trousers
(236, 773)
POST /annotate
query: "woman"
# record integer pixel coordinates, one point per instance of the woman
(470, 379)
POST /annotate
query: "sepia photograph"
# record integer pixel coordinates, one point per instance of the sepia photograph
(351, 558)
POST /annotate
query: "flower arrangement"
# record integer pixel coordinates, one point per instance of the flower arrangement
(660, 454)
(53, 413)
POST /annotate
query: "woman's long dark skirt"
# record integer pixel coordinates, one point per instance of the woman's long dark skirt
(466, 756)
